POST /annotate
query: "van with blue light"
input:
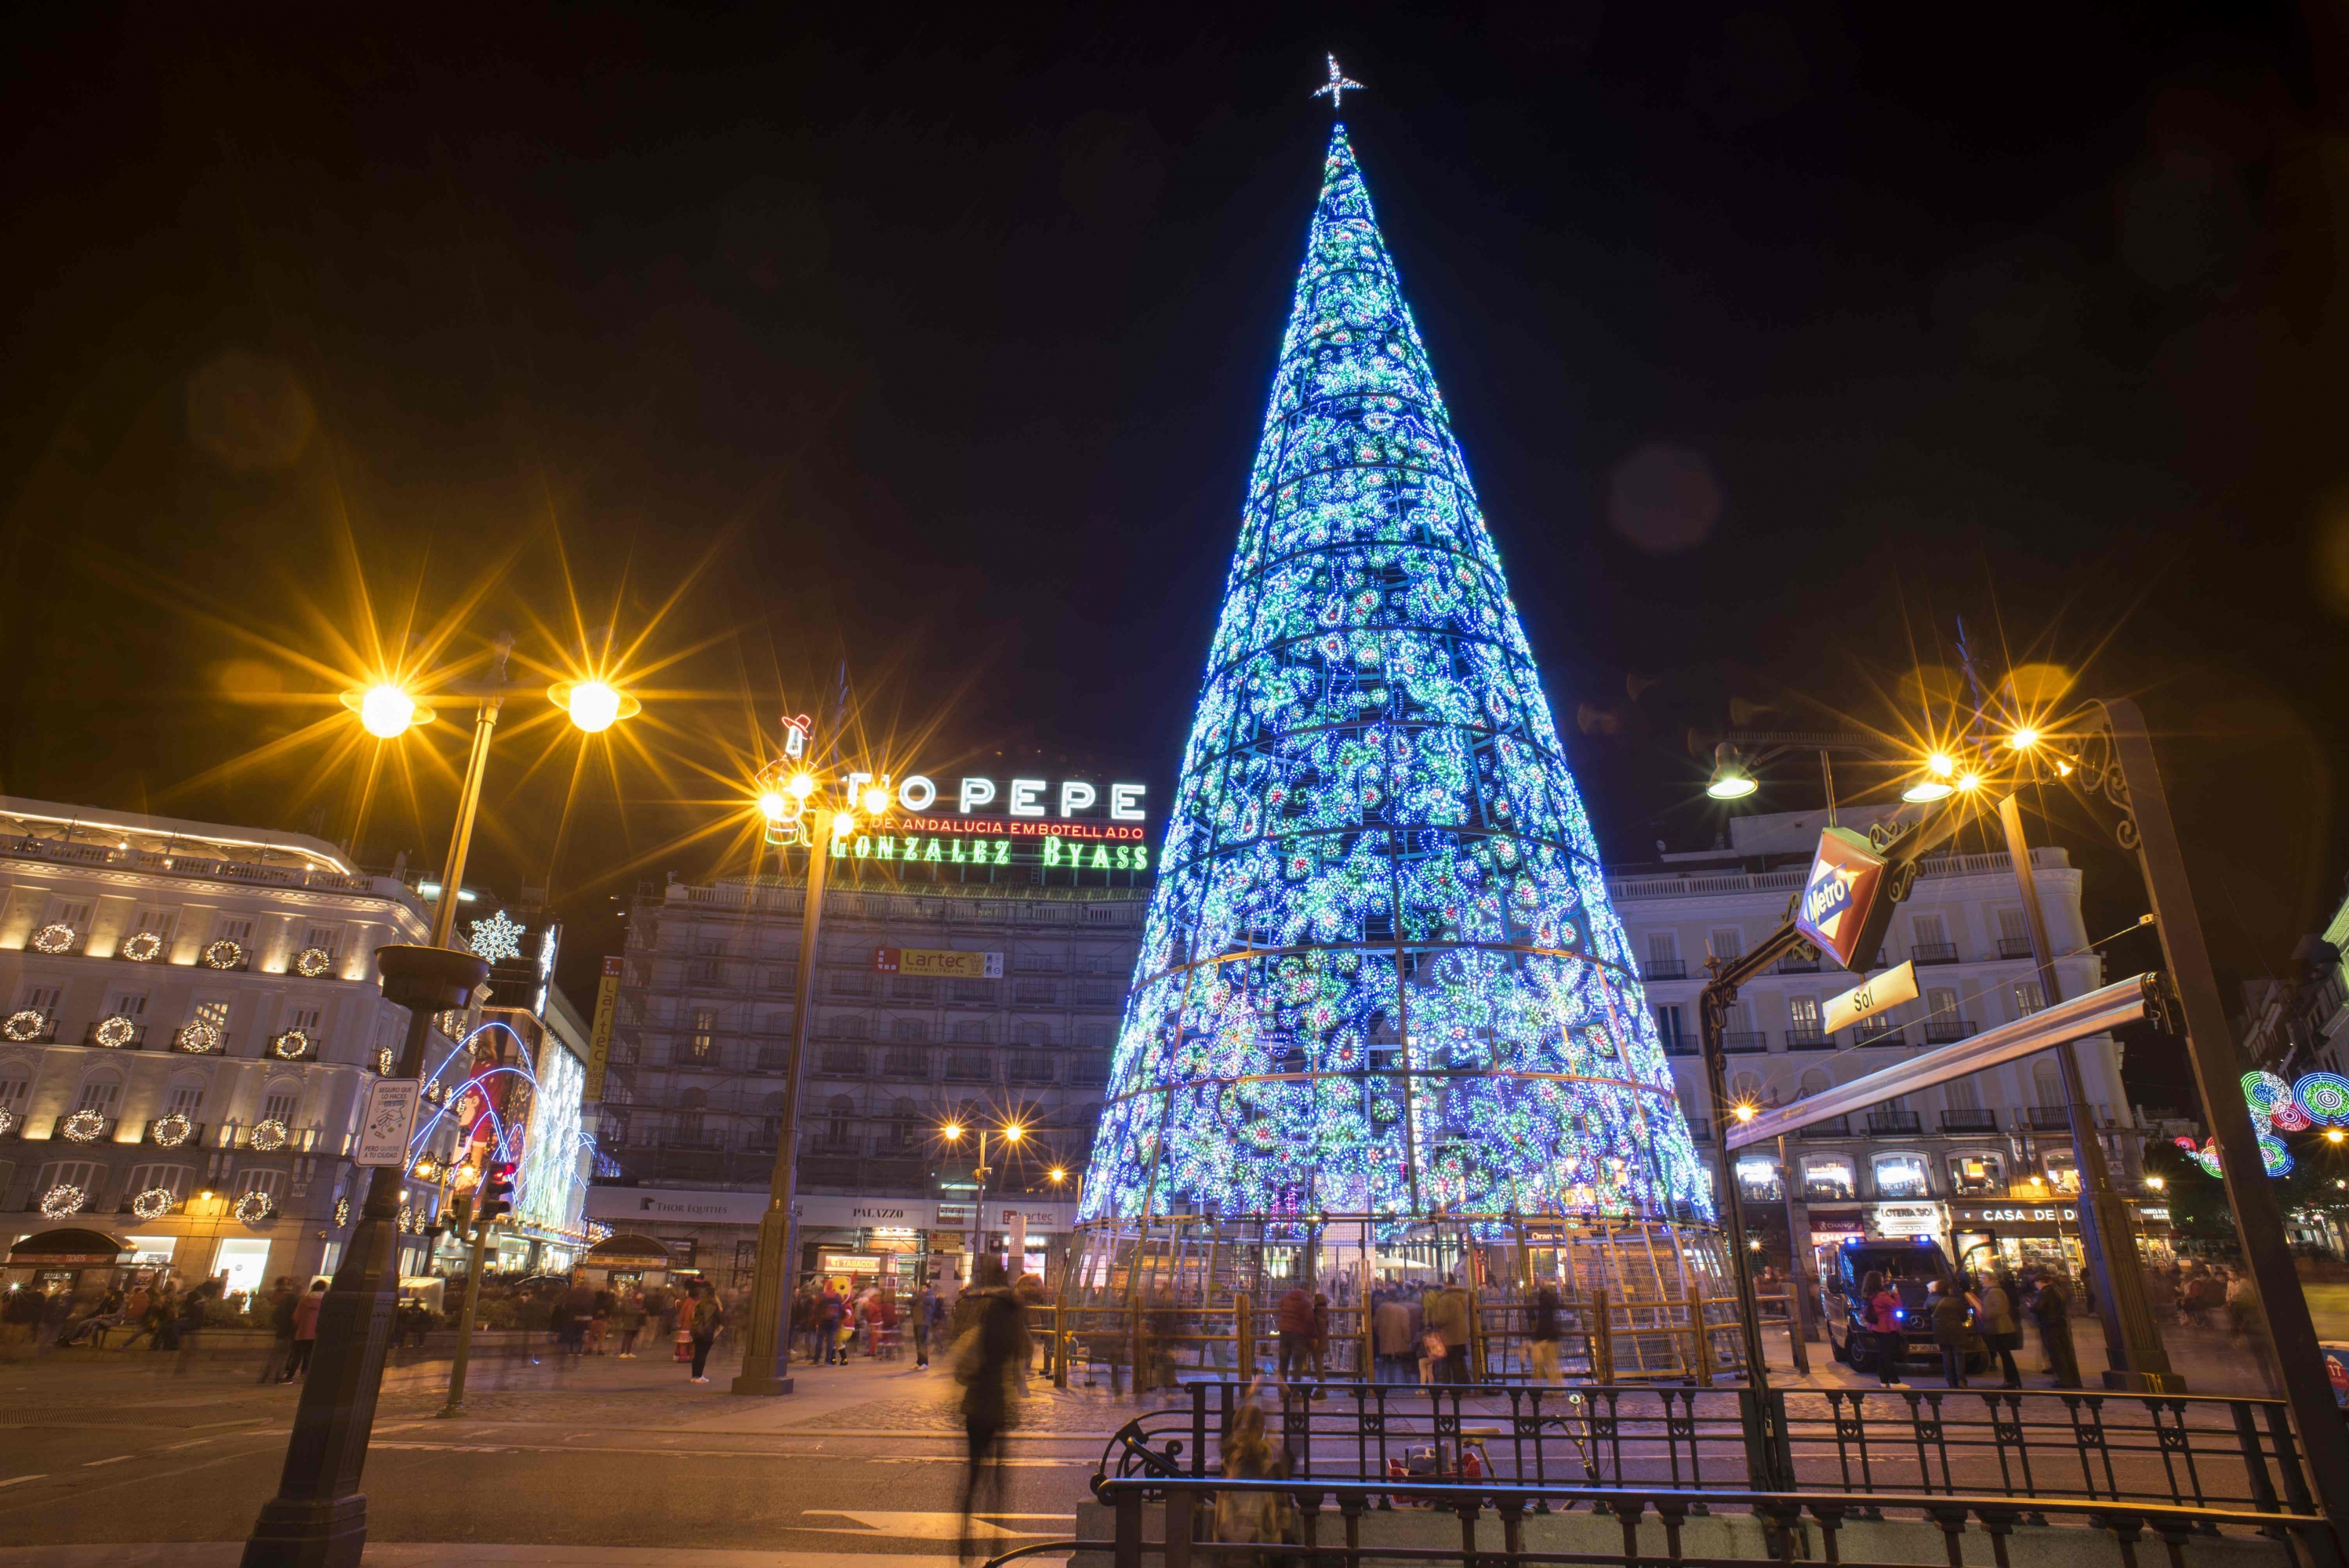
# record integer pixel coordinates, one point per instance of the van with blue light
(1908, 1267)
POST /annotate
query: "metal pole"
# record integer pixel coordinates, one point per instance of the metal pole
(2217, 1074)
(1798, 1308)
(452, 875)
(979, 1208)
(318, 1518)
(766, 1354)
(1712, 1007)
(464, 1357)
(2132, 1339)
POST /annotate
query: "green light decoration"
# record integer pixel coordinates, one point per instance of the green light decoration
(1381, 976)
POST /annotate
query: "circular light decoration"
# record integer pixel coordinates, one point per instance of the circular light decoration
(83, 1127)
(142, 947)
(200, 1038)
(2264, 1092)
(2324, 1096)
(171, 1131)
(383, 1062)
(55, 937)
(226, 953)
(342, 1212)
(254, 1208)
(292, 1045)
(313, 962)
(268, 1135)
(154, 1203)
(118, 1031)
(7, 1121)
(25, 1025)
(61, 1200)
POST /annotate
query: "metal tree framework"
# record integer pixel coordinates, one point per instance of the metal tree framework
(1383, 1020)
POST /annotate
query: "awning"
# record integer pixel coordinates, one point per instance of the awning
(625, 1252)
(69, 1248)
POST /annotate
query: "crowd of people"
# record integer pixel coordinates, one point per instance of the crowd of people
(1975, 1316)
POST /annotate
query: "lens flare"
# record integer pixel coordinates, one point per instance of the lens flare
(386, 711)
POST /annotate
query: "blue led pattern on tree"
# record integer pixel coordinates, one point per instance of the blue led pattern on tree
(1380, 975)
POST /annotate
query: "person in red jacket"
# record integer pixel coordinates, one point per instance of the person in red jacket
(1296, 1324)
(306, 1330)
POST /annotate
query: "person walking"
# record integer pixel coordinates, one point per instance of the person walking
(627, 1321)
(1447, 1315)
(702, 1321)
(599, 1319)
(2002, 1329)
(281, 1323)
(2051, 1308)
(1951, 1320)
(829, 1307)
(1253, 1517)
(1882, 1320)
(988, 1361)
(1541, 1331)
(1294, 1318)
(306, 1330)
(926, 1317)
(1391, 1339)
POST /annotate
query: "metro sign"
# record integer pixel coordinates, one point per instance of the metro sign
(1842, 912)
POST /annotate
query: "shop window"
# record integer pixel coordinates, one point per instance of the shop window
(1757, 1179)
(1901, 1176)
(1977, 1175)
(1829, 1178)
(2063, 1171)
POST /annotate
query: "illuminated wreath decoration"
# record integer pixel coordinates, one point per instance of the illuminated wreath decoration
(27, 1024)
(254, 1208)
(268, 1135)
(61, 1200)
(342, 1213)
(200, 1038)
(83, 1127)
(406, 1219)
(143, 947)
(7, 1121)
(292, 1045)
(313, 962)
(383, 1062)
(154, 1203)
(171, 1131)
(55, 937)
(226, 953)
(118, 1031)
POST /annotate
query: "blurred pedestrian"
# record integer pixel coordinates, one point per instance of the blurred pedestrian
(2051, 1309)
(2001, 1326)
(927, 1310)
(1294, 1319)
(628, 1320)
(280, 1325)
(989, 1360)
(1951, 1322)
(1253, 1517)
(306, 1330)
(1391, 1339)
(704, 1324)
(1542, 1332)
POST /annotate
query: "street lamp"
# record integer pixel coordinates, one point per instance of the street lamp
(1731, 780)
(1011, 1132)
(319, 1514)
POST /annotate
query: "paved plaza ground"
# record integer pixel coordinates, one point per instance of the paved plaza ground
(612, 1461)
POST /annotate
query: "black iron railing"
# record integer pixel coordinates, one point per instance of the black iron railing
(2040, 1445)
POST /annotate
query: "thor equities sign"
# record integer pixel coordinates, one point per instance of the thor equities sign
(1843, 911)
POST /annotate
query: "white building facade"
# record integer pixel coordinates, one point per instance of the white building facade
(1983, 1160)
(189, 1017)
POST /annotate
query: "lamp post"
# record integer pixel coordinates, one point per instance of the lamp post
(318, 1518)
(766, 1352)
(1012, 1133)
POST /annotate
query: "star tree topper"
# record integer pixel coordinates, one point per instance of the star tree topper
(1336, 89)
(498, 938)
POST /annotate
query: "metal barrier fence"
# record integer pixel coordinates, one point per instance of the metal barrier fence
(2175, 1448)
(1778, 1525)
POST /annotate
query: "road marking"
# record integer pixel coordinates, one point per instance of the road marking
(190, 1443)
(14, 1480)
(923, 1526)
(93, 1464)
(240, 1421)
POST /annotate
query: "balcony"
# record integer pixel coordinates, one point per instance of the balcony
(1934, 953)
(26, 1027)
(1663, 969)
(1701, 1129)
(1877, 1033)
(117, 1034)
(1835, 1126)
(2015, 947)
(1744, 1042)
(1089, 1072)
(901, 1062)
(1969, 1121)
(2050, 1118)
(1679, 1045)
(843, 1061)
(1947, 1031)
(692, 1138)
(970, 1067)
(1799, 964)
(1881, 1123)
(1030, 1067)
(181, 1134)
(1809, 1037)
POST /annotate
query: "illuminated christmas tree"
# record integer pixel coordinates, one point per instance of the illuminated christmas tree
(1381, 991)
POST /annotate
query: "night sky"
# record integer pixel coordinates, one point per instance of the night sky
(1777, 339)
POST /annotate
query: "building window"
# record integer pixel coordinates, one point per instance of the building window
(99, 1095)
(839, 1124)
(1901, 1176)
(172, 1178)
(1035, 992)
(1757, 1179)
(2063, 1171)
(2028, 998)
(237, 931)
(1828, 1178)
(2014, 934)
(909, 1029)
(42, 999)
(1976, 1175)
(1725, 943)
(701, 1045)
(849, 1026)
(214, 1012)
(131, 1005)
(186, 1099)
(850, 984)
(155, 923)
(279, 1105)
(270, 1182)
(306, 1019)
(327, 939)
(15, 1083)
(914, 988)
(970, 1031)
(1667, 1023)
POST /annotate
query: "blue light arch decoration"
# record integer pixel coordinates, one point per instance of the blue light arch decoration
(1380, 977)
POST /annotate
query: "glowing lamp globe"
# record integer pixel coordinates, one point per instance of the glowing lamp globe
(876, 801)
(1926, 790)
(774, 805)
(595, 706)
(802, 785)
(385, 711)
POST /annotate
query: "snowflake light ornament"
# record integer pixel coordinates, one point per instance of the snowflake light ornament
(498, 938)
